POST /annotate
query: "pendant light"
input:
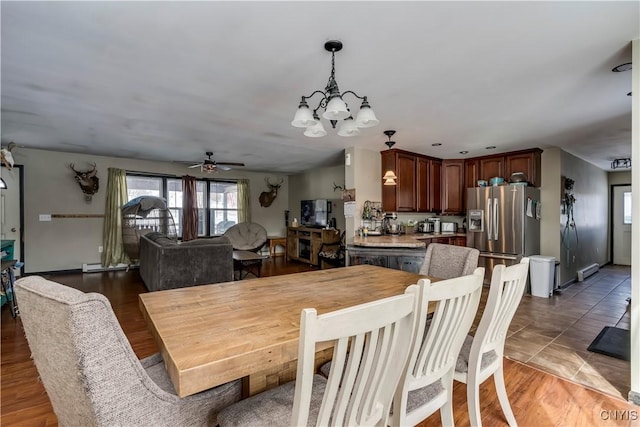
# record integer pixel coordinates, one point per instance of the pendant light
(389, 176)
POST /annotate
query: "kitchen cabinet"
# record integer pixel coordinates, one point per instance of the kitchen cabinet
(453, 190)
(435, 185)
(528, 162)
(399, 259)
(418, 182)
(471, 173)
(490, 167)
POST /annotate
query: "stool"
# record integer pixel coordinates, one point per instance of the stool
(243, 261)
(274, 242)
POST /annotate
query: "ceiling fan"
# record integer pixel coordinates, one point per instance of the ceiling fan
(209, 165)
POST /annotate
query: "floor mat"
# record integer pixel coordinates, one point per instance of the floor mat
(614, 342)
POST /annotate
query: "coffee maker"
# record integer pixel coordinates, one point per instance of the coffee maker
(390, 223)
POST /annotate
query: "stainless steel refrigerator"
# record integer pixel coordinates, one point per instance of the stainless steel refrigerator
(503, 224)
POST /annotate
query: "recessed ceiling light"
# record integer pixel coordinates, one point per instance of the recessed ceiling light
(622, 67)
(464, 152)
(436, 144)
(491, 147)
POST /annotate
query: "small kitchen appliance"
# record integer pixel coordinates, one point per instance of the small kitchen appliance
(390, 224)
(449, 227)
(436, 224)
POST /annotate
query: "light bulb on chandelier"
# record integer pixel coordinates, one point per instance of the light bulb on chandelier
(335, 108)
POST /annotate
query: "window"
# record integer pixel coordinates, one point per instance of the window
(223, 205)
(217, 200)
(626, 209)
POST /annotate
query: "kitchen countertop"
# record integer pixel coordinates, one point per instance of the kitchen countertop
(416, 240)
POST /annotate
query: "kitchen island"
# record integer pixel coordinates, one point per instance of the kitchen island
(400, 252)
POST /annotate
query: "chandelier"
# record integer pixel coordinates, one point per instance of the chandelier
(334, 107)
(621, 163)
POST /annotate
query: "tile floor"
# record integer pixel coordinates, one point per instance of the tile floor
(552, 334)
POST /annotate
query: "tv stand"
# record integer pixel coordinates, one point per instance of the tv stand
(303, 243)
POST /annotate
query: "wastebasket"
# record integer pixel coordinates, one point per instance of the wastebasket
(542, 271)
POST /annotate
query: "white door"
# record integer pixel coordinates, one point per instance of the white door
(622, 225)
(10, 218)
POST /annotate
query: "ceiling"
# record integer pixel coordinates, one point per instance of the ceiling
(168, 81)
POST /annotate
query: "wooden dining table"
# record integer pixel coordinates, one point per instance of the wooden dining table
(211, 334)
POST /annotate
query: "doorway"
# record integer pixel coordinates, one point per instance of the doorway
(621, 225)
(11, 208)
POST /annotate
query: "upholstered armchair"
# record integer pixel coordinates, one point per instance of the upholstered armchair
(90, 371)
(449, 261)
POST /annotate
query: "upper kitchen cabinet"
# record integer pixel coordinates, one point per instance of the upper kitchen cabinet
(435, 185)
(453, 193)
(471, 172)
(528, 162)
(503, 165)
(490, 167)
(416, 184)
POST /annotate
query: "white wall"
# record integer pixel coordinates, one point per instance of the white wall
(365, 176)
(67, 243)
(318, 184)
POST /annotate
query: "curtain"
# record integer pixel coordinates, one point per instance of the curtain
(244, 201)
(113, 249)
(189, 209)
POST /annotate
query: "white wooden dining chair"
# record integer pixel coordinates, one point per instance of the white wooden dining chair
(482, 355)
(427, 384)
(371, 347)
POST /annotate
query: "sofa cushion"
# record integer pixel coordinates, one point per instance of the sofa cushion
(210, 241)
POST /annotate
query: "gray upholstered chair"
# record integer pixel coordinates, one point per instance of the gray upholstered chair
(246, 236)
(449, 261)
(90, 371)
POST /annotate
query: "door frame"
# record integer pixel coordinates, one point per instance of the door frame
(20, 170)
(612, 186)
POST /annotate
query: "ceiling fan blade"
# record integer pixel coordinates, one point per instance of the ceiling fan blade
(230, 163)
(223, 168)
(195, 166)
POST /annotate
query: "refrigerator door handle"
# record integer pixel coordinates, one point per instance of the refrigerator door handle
(489, 219)
(499, 256)
(495, 218)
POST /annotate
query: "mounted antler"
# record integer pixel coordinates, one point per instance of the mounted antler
(267, 197)
(5, 155)
(88, 181)
(339, 187)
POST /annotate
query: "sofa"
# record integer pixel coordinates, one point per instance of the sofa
(168, 264)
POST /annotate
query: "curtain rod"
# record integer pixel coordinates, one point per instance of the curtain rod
(164, 175)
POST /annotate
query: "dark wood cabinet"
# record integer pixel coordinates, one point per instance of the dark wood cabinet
(528, 162)
(453, 194)
(471, 173)
(435, 185)
(490, 167)
(422, 181)
(418, 182)
(406, 183)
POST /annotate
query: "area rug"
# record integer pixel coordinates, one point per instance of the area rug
(614, 342)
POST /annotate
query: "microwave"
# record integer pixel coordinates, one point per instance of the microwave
(449, 227)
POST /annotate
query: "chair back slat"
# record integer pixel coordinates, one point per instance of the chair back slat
(369, 341)
(507, 288)
(436, 345)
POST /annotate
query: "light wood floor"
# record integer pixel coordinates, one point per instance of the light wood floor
(537, 398)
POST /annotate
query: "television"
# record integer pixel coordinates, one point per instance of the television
(314, 213)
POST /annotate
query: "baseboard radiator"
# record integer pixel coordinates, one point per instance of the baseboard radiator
(587, 271)
(96, 267)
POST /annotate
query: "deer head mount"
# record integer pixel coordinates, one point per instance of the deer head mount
(87, 180)
(267, 197)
